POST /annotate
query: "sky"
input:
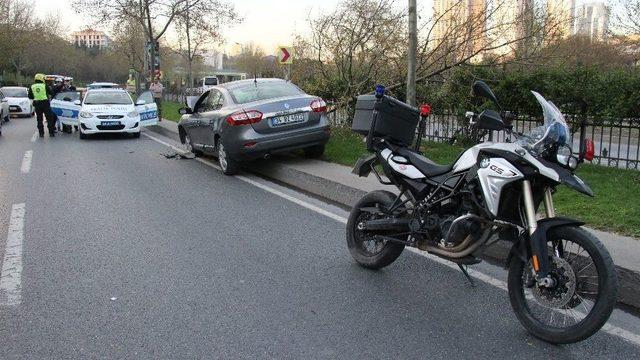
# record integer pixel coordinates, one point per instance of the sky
(268, 23)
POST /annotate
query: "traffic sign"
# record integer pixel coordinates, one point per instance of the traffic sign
(285, 55)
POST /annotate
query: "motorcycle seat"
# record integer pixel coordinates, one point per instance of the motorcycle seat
(425, 165)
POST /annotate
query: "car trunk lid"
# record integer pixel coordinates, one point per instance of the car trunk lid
(285, 114)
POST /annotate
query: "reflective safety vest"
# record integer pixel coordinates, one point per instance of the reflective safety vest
(39, 92)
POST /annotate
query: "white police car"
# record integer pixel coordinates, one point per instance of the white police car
(105, 111)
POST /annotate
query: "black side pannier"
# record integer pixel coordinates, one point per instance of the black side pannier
(396, 120)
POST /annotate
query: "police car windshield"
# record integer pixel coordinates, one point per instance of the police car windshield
(108, 98)
(17, 93)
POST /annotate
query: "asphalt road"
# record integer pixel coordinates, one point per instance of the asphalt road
(128, 254)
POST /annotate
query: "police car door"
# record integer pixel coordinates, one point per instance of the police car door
(147, 108)
(64, 105)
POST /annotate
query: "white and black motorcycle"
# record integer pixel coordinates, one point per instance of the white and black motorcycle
(562, 283)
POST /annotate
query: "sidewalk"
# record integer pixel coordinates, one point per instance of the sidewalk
(336, 183)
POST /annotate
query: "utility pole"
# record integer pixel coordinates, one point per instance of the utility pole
(412, 53)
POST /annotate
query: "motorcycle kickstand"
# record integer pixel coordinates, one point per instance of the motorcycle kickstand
(466, 274)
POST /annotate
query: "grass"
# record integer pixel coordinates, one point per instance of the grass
(170, 110)
(616, 206)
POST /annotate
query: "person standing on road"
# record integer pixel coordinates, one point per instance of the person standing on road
(58, 87)
(39, 92)
(156, 89)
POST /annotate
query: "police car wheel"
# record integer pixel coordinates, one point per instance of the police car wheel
(83, 136)
(136, 135)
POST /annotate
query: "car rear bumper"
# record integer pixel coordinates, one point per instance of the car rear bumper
(253, 147)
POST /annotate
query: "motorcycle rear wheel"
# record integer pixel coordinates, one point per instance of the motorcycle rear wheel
(583, 298)
(370, 253)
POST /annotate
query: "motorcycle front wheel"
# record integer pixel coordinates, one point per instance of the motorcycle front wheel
(583, 296)
(367, 251)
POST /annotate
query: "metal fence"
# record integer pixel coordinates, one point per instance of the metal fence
(617, 141)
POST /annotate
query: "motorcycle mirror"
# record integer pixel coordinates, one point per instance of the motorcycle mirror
(490, 120)
(480, 88)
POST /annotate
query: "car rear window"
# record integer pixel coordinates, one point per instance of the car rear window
(263, 91)
(107, 98)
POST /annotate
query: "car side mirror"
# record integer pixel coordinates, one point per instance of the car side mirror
(480, 88)
(77, 102)
(141, 102)
(490, 120)
(185, 111)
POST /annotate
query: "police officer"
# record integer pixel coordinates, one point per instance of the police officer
(39, 92)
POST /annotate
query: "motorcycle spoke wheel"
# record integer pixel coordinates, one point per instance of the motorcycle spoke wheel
(582, 294)
(574, 296)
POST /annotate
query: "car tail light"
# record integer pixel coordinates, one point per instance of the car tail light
(244, 118)
(589, 150)
(425, 110)
(318, 106)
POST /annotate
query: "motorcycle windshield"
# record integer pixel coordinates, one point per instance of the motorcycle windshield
(554, 131)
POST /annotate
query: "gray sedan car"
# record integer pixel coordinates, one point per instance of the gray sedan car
(249, 119)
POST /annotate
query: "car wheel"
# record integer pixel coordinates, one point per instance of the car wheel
(228, 165)
(189, 146)
(6, 118)
(83, 136)
(136, 135)
(314, 152)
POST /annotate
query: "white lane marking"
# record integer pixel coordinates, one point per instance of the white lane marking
(34, 137)
(607, 328)
(11, 275)
(26, 162)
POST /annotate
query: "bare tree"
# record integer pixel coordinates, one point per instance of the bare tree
(358, 43)
(250, 60)
(627, 18)
(364, 42)
(154, 16)
(199, 28)
(19, 30)
(128, 42)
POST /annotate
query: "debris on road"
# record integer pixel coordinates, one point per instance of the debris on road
(179, 156)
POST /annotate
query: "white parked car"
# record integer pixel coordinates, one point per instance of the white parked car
(106, 111)
(18, 100)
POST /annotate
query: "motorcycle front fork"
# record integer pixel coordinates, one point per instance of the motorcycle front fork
(532, 226)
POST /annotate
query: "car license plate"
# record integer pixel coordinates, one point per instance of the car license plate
(288, 119)
(109, 123)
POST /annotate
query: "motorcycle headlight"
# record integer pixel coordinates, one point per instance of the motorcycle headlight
(133, 114)
(566, 158)
(86, 114)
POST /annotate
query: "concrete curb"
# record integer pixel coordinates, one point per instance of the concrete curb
(629, 280)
